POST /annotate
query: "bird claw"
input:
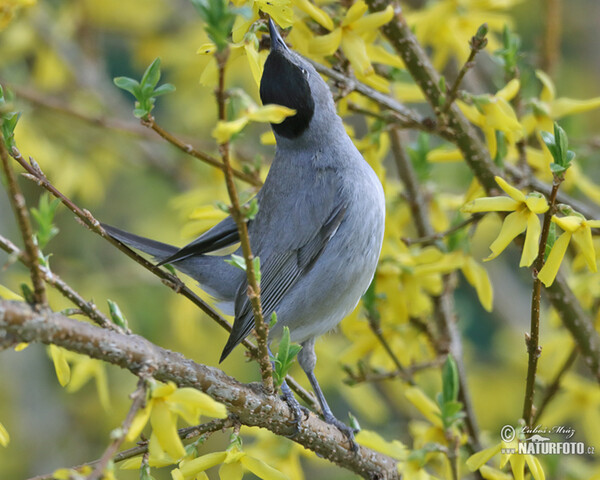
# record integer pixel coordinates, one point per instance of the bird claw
(345, 429)
(298, 410)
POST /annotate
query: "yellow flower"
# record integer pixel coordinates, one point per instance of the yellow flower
(350, 36)
(166, 402)
(548, 108)
(394, 449)
(247, 48)
(461, 19)
(493, 112)
(69, 473)
(524, 217)
(279, 10)
(233, 463)
(83, 369)
(517, 461)
(580, 230)
(4, 436)
(268, 113)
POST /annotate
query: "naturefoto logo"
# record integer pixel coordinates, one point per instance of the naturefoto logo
(542, 440)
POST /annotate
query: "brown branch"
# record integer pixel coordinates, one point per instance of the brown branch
(436, 237)
(17, 201)
(248, 402)
(456, 128)
(261, 328)
(35, 174)
(138, 399)
(187, 148)
(532, 339)
(444, 304)
(188, 433)
(87, 308)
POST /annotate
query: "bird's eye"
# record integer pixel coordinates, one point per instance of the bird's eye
(304, 72)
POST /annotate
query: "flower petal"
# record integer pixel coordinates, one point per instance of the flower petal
(373, 21)
(355, 12)
(571, 223)
(477, 460)
(164, 426)
(190, 468)
(355, 50)
(535, 467)
(314, 12)
(271, 113)
(63, 371)
(548, 91)
(139, 422)
(478, 277)
(231, 471)
(532, 238)
(583, 239)
(191, 403)
(491, 204)
(537, 203)
(550, 269)
(326, 45)
(424, 404)
(510, 90)
(510, 190)
(261, 469)
(373, 440)
(4, 436)
(562, 107)
(225, 130)
(514, 224)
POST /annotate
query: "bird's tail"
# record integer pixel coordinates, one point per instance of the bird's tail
(158, 250)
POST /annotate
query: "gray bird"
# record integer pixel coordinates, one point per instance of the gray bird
(318, 230)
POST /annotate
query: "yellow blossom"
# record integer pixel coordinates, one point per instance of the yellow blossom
(69, 473)
(461, 19)
(517, 461)
(165, 404)
(268, 113)
(494, 113)
(83, 369)
(548, 108)
(350, 37)
(233, 463)
(428, 408)
(580, 230)
(4, 436)
(279, 10)
(524, 217)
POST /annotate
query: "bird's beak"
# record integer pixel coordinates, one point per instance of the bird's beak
(277, 42)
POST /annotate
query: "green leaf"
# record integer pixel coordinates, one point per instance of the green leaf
(237, 262)
(273, 320)
(286, 353)
(163, 89)
(251, 209)
(27, 293)
(128, 84)
(116, 315)
(450, 380)
(44, 217)
(256, 265)
(152, 74)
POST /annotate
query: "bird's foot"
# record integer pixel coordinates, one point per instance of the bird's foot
(298, 410)
(345, 429)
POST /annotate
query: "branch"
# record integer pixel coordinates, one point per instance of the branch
(88, 308)
(436, 237)
(35, 174)
(532, 340)
(456, 128)
(17, 201)
(248, 402)
(187, 148)
(138, 399)
(444, 304)
(261, 328)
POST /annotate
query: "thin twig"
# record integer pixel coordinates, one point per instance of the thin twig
(87, 308)
(17, 201)
(138, 399)
(187, 148)
(477, 43)
(374, 375)
(436, 237)
(444, 304)
(261, 328)
(35, 174)
(188, 433)
(532, 339)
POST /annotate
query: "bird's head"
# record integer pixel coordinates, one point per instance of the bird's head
(291, 81)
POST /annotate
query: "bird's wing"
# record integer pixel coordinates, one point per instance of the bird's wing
(279, 273)
(221, 235)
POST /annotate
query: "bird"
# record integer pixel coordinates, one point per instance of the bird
(318, 231)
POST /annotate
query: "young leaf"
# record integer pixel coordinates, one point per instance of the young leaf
(116, 315)
(286, 353)
(237, 262)
(450, 381)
